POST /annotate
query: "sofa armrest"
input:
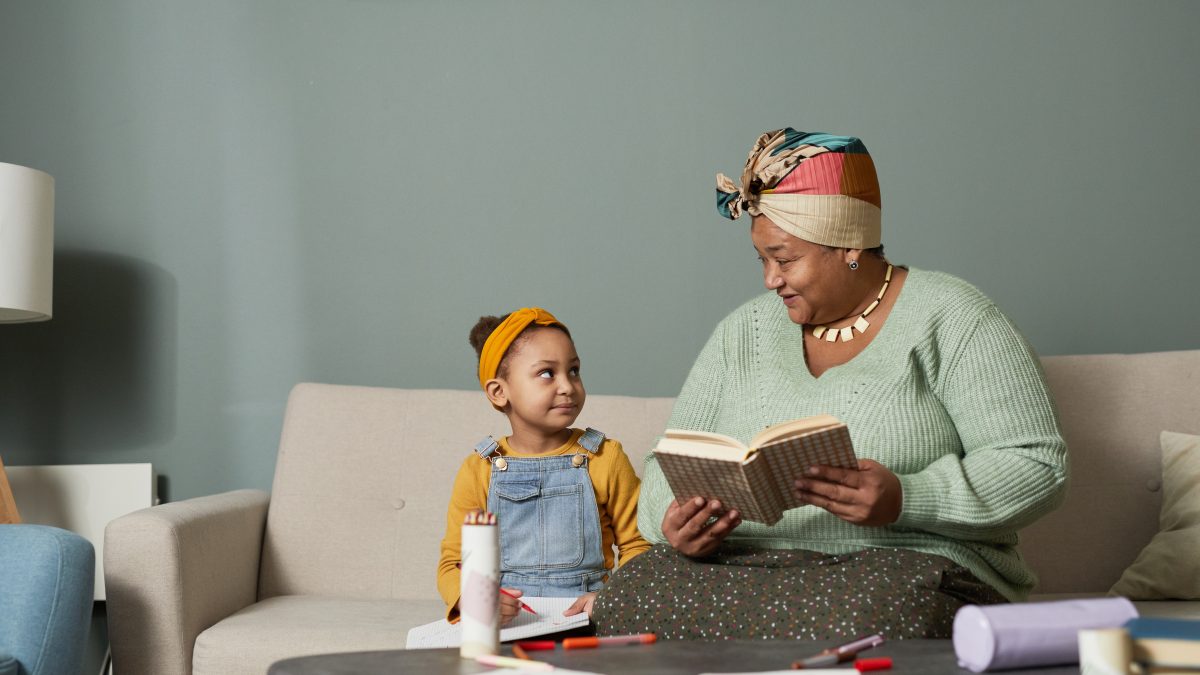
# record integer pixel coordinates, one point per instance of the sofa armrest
(173, 570)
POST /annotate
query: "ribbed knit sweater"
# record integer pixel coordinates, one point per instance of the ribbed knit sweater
(948, 395)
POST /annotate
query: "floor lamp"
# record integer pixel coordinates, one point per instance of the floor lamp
(26, 265)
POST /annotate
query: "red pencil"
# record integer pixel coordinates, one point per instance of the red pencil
(523, 605)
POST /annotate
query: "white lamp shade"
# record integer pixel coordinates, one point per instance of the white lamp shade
(26, 244)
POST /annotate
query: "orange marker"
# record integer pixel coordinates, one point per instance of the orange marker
(587, 642)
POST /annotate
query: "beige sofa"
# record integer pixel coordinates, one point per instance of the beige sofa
(341, 555)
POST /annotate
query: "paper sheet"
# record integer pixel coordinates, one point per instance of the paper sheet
(549, 619)
(811, 671)
(564, 671)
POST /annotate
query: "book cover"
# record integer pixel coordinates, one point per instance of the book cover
(1163, 642)
(755, 479)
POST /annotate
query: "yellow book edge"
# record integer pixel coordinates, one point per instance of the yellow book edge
(711, 445)
(801, 427)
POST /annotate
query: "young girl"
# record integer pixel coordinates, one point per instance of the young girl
(562, 496)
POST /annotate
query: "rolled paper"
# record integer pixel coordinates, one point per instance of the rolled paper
(1105, 651)
(479, 590)
(1031, 634)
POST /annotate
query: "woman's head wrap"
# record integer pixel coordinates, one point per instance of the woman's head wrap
(814, 186)
(502, 337)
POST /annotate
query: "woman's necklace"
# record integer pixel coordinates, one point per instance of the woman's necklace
(847, 333)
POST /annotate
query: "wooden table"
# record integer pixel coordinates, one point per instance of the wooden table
(676, 657)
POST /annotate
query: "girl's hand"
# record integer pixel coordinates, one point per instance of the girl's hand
(870, 495)
(582, 604)
(687, 529)
(510, 606)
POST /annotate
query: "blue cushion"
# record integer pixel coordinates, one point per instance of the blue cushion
(46, 578)
(8, 664)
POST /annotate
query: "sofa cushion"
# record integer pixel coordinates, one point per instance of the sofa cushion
(1169, 566)
(248, 642)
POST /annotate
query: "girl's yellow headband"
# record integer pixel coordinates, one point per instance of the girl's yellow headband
(508, 330)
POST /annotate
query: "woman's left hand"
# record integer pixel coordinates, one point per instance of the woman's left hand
(870, 495)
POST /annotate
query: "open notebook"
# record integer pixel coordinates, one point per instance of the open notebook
(549, 619)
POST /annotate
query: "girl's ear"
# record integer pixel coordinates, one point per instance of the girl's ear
(496, 392)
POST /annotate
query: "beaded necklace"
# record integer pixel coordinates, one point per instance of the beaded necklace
(861, 323)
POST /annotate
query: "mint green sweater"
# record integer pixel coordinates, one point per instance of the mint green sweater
(948, 395)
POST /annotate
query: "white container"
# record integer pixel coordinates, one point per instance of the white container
(479, 590)
(1105, 651)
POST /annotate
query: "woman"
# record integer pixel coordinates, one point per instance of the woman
(957, 437)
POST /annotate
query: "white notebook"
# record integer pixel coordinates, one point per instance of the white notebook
(549, 619)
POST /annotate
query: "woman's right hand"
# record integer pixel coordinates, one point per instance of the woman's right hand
(687, 529)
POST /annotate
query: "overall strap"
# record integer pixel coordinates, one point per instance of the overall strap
(487, 447)
(591, 440)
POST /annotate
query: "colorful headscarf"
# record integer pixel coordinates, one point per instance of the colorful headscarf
(814, 186)
(498, 342)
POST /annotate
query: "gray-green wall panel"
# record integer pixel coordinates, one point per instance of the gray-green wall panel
(256, 193)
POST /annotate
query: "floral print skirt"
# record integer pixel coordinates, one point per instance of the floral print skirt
(749, 593)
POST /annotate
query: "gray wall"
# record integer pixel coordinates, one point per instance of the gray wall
(252, 194)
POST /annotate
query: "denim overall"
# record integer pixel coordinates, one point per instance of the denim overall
(550, 544)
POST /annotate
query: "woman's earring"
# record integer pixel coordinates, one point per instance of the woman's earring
(853, 264)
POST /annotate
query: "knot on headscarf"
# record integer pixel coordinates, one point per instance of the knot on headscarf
(502, 337)
(764, 169)
(819, 187)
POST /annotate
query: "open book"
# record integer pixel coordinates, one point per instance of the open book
(549, 619)
(757, 479)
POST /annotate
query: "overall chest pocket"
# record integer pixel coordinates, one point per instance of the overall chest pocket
(540, 527)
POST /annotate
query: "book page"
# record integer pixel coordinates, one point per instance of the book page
(703, 444)
(784, 430)
(549, 619)
(688, 448)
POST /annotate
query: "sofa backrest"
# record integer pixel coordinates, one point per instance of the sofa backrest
(363, 475)
(1113, 408)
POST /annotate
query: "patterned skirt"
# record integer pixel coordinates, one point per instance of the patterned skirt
(743, 592)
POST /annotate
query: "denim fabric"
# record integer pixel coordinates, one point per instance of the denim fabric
(46, 578)
(550, 543)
